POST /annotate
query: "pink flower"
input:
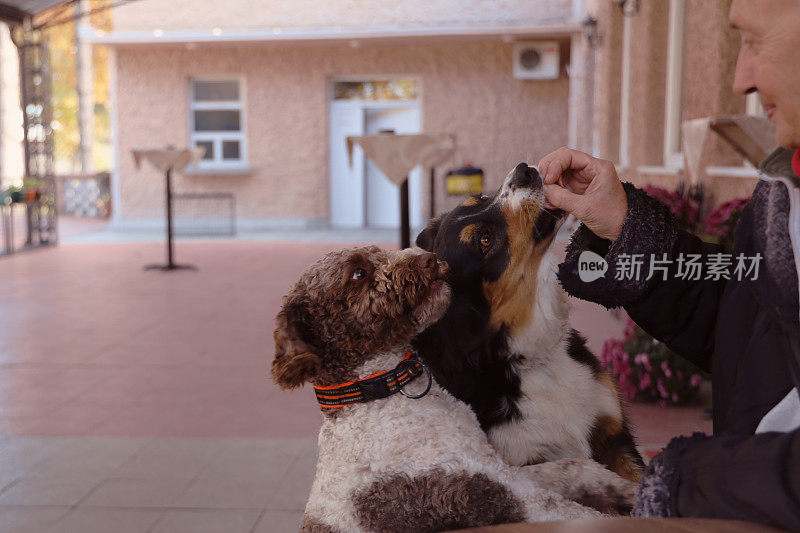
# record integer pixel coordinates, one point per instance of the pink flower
(630, 329)
(720, 221)
(666, 369)
(646, 362)
(661, 389)
(694, 381)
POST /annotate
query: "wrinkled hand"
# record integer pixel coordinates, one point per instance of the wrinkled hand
(588, 188)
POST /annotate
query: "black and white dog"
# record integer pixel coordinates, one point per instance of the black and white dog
(505, 346)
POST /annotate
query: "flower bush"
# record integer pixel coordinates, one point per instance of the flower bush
(721, 222)
(684, 210)
(646, 370)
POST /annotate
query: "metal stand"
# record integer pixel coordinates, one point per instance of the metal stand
(405, 224)
(433, 192)
(171, 265)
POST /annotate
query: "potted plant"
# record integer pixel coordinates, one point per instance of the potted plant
(646, 370)
(31, 188)
(16, 194)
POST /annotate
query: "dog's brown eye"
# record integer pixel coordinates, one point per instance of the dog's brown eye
(486, 240)
(358, 274)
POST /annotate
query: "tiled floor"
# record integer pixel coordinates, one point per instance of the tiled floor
(161, 484)
(168, 484)
(136, 401)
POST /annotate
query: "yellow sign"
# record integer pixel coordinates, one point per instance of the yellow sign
(464, 184)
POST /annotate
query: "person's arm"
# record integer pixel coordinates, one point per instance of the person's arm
(679, 312)
(620, 222)
(745, 477)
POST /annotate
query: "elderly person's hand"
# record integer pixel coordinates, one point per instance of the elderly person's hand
(587, 187)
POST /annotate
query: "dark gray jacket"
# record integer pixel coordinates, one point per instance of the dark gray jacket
(744, 332)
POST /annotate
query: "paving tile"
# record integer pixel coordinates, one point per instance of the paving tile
(229, 493)
(90, 455)
(69, 420)
(211, 521)
(29, 520)
(6, 480)
(156, 492)
(253, 459)
(169, 458)
(295, 486)
(48, 490)
(20, 455)
(279, 522)
(88, 520)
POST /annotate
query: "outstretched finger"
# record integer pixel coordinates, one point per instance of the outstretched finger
(554, 164)
(564, 199)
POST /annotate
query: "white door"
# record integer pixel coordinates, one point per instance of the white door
(360, 194)
(346, 180)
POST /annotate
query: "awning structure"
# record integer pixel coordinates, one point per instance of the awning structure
(16, 11)
(333, 34)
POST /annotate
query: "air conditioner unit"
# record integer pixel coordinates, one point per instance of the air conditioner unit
(536, 60)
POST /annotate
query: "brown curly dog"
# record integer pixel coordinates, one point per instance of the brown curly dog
(388, 462)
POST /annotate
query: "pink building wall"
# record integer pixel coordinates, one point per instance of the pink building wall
(467, 87)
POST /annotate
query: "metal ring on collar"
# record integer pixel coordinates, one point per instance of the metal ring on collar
(427, 388)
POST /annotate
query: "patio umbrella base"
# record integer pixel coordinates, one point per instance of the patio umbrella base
(166, 268)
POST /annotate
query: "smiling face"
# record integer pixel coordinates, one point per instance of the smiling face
(769, 61)
(353, 305)
(495, 246)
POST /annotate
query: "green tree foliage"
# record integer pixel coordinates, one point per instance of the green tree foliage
(63, 50)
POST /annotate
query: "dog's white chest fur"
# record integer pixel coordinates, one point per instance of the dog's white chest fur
(560, 404)
(560, 398)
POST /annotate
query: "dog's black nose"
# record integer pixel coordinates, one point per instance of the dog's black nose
(525, 177)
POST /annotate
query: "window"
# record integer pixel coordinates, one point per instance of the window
(404, 89)
(217, 123)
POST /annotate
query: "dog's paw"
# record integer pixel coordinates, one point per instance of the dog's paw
(586, 482)
(611, 499)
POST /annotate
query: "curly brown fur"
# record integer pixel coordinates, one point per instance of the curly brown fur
(309, 525)
(403, 503)
(350, 305)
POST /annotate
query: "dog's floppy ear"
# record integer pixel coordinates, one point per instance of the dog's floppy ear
(295, 361)
(428, 235)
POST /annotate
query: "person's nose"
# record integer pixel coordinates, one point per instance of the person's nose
(744, 81)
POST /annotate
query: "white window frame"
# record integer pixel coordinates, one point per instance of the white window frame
(673, 152)
(217, 137)
(625, 94)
